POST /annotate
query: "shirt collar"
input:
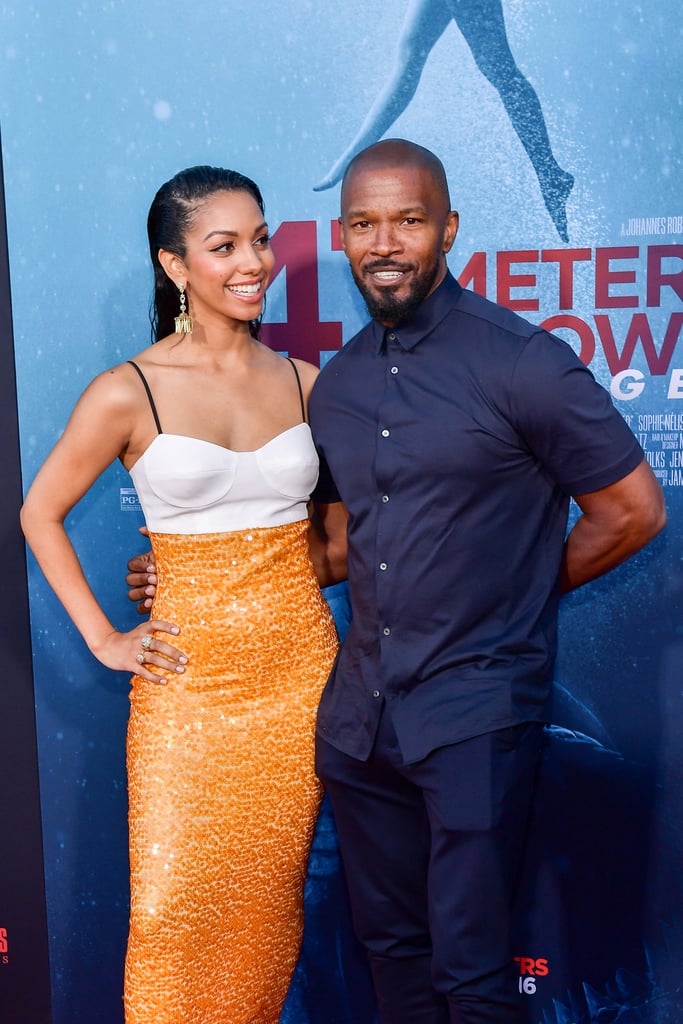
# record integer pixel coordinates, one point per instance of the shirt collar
(425, 318)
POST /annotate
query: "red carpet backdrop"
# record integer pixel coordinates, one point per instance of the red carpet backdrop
(559, 126)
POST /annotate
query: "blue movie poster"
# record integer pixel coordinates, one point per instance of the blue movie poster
(559, 126)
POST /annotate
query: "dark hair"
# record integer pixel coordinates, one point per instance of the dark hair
(170, 216)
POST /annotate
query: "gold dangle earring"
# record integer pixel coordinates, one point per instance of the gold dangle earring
(183, 322)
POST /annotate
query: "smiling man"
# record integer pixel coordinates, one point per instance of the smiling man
(382, 204)
(455, 433)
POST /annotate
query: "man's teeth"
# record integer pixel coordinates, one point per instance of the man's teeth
(387, 275)
(244, 289)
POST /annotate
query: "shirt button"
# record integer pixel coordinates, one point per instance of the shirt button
(385, 499)
(394, 369)
(376, 693)
(382, 566)
(385, 433)
(391, 337)
(386, 631)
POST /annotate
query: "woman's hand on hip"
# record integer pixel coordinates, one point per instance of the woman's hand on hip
(141, 648)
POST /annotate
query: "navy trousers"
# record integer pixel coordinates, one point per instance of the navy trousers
(431, 854)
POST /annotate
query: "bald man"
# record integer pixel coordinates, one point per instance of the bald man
(454, 432)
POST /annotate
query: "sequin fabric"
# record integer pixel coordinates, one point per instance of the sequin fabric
(223, 796)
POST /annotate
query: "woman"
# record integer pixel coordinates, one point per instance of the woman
(212, 427)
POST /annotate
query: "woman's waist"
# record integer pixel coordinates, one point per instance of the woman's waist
(226, 548)
(257, 569)
(246, 607)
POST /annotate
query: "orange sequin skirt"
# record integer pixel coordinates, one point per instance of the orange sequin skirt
(223, 796)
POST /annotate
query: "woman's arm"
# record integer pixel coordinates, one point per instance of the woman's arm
(98, 432)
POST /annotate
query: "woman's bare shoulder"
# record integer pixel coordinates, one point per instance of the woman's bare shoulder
(117, 386)
(307, 374)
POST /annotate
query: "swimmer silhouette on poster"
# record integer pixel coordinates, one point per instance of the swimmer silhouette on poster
(483, 28)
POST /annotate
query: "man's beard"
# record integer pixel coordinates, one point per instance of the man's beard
(386, 306)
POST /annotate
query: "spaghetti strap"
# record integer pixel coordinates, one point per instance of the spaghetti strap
(149, 394)
(298, 384)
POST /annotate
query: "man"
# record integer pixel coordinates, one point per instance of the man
(454, 432)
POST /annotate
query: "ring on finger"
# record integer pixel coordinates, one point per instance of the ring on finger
(140, 658)
(146, 642)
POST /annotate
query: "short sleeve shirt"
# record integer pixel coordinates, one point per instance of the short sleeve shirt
(455, 440)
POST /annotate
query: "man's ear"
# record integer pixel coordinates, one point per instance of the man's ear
(451, 230)
(173, 265)
(341, 233)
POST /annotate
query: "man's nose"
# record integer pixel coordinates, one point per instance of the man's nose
(386, 239)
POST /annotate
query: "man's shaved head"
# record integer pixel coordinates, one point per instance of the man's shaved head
(399, 153)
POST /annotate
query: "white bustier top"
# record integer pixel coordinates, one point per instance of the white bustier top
(186, 485)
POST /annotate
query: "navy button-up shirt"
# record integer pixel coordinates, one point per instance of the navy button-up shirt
(455, 441)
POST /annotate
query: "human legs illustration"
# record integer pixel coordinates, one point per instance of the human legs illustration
(483, 27)
(424, 22)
